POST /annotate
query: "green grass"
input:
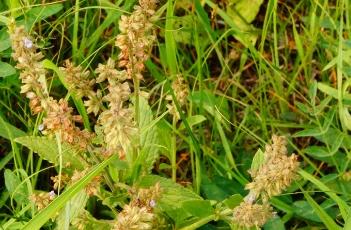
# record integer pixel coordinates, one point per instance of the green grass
(285, 70)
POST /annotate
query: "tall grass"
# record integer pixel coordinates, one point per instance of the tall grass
(252, 69)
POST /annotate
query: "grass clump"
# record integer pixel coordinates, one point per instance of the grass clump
(152, 115)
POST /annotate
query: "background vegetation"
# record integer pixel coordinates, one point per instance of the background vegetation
(253, 69)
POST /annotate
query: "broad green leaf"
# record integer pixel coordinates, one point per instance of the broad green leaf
(347, 223)
(164, 132)
(44, 215)
(72, 209)
(325, 218)
(310, 132)
(172, 193)
(9, 131)
(16, 189)
(5, 42)
(193, 120)
(149, 136)
(344, 208)
(183, 31)
(332, 92)
(244, 35)
(173, 197)
(303, 209)
(6, 69)
(47, 148)
(243, 12)
(274, 223)
(318, 151)
(42, 12)
(5, 159)
(198, 208)
(233, 201)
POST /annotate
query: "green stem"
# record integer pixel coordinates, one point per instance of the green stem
(174, 152)
(136, 82)
(207, 219)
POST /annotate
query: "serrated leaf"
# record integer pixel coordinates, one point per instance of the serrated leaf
(172, 193)
(172, 198)
(48, 149)
(148, 136)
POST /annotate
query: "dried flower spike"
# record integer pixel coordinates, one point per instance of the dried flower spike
(252, 215)
(181, 91)
(135, 218)
(92, 188)
(77, 79)
(136, 38)
(29, 63)
(276, 173)
(42, 199)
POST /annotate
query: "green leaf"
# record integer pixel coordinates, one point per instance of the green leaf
(44, 215)
(257, 160)
(310, 132)
(173, 196)
(171, 47)
(274, 223)
(233, 201)
(5, 42)
(48, 149)
(171, 191)
(164, 132)
(43, 12)
(193, 120)
(198, 208)
(318, 151)
(344, 208)
(244, 34)
(9, 131)
(6, 69)
(148, 137)
(243, 12)
(16, 189)
(303, 209)
(325, 218)
(72, 209)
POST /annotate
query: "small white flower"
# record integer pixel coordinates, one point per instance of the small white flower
(41, 127)
(152, 203)
(52, 194)
(27, 43)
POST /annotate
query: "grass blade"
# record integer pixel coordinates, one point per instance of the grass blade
(42, 217)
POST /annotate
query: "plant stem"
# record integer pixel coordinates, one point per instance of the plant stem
(207, 219)
(174, 152)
